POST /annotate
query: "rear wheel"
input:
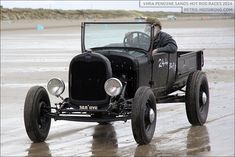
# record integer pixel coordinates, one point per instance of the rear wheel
(143, 115)
(36, 107)
(197, 98)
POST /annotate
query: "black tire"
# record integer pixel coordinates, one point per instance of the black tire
(36, 107)
(197, 98)
(143, 126)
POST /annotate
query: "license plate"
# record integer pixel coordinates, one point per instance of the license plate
(88, 107)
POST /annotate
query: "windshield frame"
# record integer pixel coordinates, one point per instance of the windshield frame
(83, 27)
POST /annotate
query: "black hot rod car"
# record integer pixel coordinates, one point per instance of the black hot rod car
(116, 78)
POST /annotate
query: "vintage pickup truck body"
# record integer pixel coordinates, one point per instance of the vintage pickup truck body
(121, 81)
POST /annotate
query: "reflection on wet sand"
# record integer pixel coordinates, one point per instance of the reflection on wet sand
(39, 149)
(146, 150)
(104, 141)
(198, 140)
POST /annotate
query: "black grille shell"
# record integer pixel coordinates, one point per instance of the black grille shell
(87, 75)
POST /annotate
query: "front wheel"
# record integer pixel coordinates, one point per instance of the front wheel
(36, 108)
(143, 115)
(197, 98)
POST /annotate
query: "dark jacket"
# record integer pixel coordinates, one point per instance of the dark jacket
(163, 42)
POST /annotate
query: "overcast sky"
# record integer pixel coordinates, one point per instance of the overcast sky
(103, 5)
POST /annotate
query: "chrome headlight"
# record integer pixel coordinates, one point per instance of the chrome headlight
(113, 87)
(55, 87)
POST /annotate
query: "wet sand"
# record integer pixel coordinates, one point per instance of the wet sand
(30, 57)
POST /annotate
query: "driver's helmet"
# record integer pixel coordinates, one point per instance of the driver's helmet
(154, 21)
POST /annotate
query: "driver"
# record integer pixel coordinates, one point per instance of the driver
(163, 42)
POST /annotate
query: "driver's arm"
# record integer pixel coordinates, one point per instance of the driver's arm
(169, 46)
(166, 44)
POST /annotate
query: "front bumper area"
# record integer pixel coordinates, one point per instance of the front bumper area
(81, 118)
(109, 113)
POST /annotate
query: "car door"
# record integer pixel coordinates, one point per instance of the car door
(160, 72)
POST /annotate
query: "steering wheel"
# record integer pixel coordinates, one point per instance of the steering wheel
(136, 39)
